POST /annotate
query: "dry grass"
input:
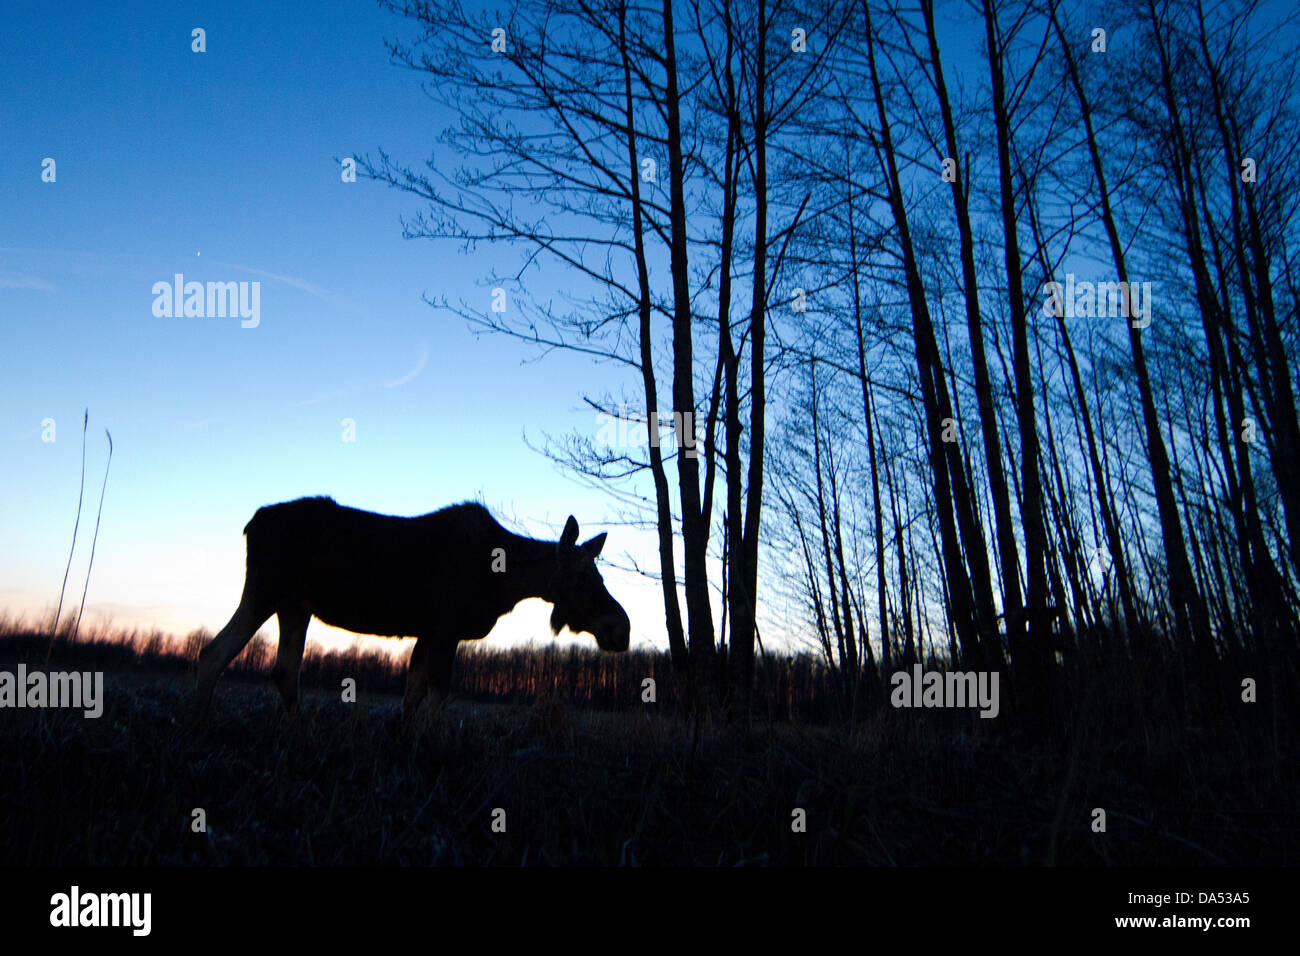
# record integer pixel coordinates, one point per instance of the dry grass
(629, 784)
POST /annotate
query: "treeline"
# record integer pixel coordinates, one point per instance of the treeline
(788, 688)
(986, 315)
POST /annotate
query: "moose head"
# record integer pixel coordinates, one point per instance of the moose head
(578, 593)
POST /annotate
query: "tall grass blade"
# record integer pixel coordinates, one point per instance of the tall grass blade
(81, 491)
(94, 538)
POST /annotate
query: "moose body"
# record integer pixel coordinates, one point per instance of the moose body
(442, 578)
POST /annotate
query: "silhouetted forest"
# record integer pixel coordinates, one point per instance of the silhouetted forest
(984, 314)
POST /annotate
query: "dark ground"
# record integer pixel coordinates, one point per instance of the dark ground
(633, 785)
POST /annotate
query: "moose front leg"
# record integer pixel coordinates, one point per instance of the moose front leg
(431, 664)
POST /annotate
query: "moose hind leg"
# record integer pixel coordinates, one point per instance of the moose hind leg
(288, 659)
(431, 667)
(417, 676)
(442, 660)
(222, 649)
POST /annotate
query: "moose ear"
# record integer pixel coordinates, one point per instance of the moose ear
(592, 547)
(570, 535)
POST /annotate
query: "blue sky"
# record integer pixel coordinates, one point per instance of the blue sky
(223, 166)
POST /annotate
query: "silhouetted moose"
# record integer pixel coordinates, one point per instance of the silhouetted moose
(442, 578)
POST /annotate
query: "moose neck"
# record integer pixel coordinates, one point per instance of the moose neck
(530, 566)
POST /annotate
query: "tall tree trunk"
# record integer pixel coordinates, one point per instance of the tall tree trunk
(962, 605)
(869, 421)
(1109, 522)
(695, 537)
(739, 605)
(1183, 597)
(1028, 651)
(1009, 553)
(742, 649)
(663, 502)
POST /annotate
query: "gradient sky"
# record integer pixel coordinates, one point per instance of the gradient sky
(223, 166)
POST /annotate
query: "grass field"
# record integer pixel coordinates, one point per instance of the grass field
(586, 773)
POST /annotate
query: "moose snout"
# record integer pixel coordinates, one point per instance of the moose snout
(614, 633)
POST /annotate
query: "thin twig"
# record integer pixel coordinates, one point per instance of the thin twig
(95, 537)
(81, 491)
